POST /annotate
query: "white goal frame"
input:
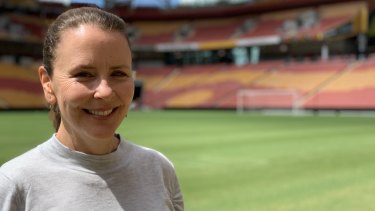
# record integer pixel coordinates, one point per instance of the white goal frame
(253, 93)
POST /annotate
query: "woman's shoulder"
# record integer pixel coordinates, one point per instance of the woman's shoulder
(21, 165)
(144, 154)
(148, 161)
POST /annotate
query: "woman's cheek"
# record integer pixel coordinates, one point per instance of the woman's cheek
(73, 91)
(130, 90)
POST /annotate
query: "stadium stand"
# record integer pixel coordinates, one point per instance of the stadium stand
(35, 26)
(19, 88)
(299, 77)
(281, 44)
(153, 76)
(354, 89)
(177, 81)
(264, 28)
(30, 4)
(152, 33)
(214, 29)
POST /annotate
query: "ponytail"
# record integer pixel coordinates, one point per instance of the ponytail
(55, 116)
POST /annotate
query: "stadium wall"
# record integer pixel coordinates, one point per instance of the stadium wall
(301, 50)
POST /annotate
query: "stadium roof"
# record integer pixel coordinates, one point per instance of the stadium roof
(163, 4)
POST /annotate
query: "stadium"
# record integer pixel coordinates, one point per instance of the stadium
(260, 104)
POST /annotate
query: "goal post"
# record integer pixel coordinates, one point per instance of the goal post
(253, 99)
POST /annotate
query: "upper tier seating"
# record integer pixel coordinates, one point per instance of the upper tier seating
(264, 28)
(151, 33)
(215, 29)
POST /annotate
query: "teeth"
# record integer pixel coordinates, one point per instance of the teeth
(100, 113)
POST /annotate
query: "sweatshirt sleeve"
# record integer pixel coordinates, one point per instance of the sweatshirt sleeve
(8, 194)
(176, 194)
(173, 185)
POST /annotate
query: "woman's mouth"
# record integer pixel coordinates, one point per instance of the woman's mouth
(100, 112)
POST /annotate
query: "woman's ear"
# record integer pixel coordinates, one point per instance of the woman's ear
(46, 82)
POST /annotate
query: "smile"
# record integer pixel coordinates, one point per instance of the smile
(99, 112)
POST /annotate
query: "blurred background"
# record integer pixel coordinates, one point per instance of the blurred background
(208, 73)
(215, 54)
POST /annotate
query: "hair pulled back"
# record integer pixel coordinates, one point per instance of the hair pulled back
(74, 18)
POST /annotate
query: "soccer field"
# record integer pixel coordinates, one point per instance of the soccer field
(228, 162)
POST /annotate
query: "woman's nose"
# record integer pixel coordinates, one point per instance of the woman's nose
(103, 90)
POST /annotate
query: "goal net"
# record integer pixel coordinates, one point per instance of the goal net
(257, 99)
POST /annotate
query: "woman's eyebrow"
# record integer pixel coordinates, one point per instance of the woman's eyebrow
(86, 67)
(120, 67)
(92, 67)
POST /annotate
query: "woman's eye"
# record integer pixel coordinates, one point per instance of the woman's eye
(119, 73)
(83, 75)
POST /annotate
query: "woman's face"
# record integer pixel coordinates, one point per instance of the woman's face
(92, 81)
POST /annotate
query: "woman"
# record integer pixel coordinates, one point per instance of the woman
(85, 165)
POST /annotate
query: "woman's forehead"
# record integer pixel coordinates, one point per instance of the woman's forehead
(87, 31)
(88, 45)
(88, 37)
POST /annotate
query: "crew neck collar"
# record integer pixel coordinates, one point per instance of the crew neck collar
(63, 154)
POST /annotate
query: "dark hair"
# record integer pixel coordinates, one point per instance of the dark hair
(73, 18)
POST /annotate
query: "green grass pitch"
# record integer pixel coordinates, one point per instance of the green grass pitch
(228, 162)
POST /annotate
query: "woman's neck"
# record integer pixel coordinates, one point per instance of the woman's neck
(87, 144)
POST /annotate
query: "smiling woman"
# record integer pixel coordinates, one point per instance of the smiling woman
(90, 78)
(85, 165)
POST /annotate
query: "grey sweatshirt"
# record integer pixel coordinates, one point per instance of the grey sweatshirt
(53, 177)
